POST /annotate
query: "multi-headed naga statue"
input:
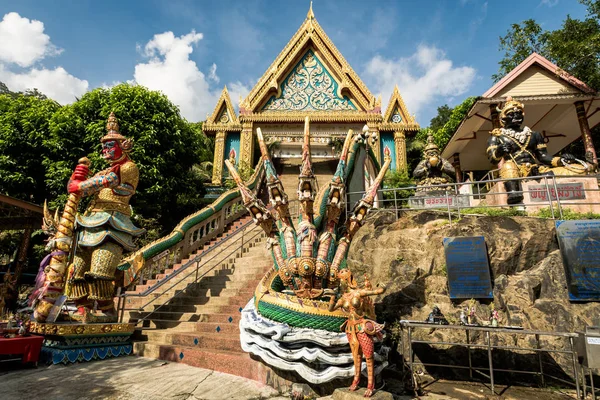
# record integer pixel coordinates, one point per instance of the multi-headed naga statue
(307, 263)
(102, 233)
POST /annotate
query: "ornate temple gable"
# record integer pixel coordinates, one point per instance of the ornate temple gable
(397, 116)
(310, 37)
(223, 117)
(309, 87)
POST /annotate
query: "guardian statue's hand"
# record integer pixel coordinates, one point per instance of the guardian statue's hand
(568, 158)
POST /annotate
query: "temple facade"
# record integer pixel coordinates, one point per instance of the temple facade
(309, 77)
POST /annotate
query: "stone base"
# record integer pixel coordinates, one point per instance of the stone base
(51, 355)
(66, 343)
(345, 394)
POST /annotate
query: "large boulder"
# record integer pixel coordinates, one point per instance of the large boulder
(528, 279)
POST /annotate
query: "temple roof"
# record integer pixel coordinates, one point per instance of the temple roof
(396, 116)
(310, 52)
(223, 117)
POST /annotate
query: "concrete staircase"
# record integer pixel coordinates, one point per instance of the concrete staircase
(198, 324)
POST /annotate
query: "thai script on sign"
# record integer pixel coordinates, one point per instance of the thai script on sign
(563, 191)
(579, 242)
(468, 268)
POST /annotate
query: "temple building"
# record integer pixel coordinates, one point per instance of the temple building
(309, 77)
(558, 105)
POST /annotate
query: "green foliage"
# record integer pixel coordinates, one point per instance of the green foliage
(165, 148)
(575, 46)
(494, 212)
(395, 179)
(40, 143)
(567, 213)
(442, 136)
(24, 129)
(443, 116)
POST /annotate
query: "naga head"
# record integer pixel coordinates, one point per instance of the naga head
(512, 114)
(115, 147)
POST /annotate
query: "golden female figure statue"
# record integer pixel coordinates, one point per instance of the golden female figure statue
(360, 326)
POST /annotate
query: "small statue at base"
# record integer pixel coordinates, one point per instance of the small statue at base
(524, 152)
(436, 317)
(433, 169)
(472, 313)
(360, 326)
(494, 316)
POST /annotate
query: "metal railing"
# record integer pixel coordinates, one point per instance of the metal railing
(199, 262)
(457, 198)
(409, 326)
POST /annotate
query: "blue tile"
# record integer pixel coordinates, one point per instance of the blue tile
(196, 341)
(230, 319)
(218, 329)
(181, 355)
(241, 309)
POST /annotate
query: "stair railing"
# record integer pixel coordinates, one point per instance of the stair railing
(198, 276)
(189, 235)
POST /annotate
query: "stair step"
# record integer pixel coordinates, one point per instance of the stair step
(231, 362)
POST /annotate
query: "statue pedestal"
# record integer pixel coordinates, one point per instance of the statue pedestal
(438, 200)
(66, 343)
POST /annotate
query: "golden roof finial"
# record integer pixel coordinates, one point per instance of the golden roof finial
(310, 14)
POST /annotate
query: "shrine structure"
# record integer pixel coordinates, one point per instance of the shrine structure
(310, 77)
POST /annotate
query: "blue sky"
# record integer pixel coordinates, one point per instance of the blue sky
(436, 51)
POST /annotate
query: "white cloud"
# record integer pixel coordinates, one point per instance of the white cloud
(23, 41)
(422, 78)
(171, 71)
(213, 73)
(549, 3)
(56, 83)
(238, 90)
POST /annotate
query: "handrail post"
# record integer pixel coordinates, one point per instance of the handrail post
(558, 205)
(549, 196)
(396, 204)
(489, 346)
(575, 371)
(537, 339)
(448, 205)
(469, 353)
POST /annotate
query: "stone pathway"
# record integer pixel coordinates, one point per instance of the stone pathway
(138, 378)
(129, 378)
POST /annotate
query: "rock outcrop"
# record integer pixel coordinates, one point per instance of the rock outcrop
(529, 282)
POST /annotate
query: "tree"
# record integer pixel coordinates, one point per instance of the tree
(443, 115)
(165, 148)
(24, 127)
(574, 47)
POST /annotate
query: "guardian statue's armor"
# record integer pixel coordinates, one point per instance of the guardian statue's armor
(524, 151)
(105, 230)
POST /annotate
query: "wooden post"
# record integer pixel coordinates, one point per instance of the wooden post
(456, 165)
(219, 158)
(400, 142)
(586, 134)
(494, 116)
(22, 256)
